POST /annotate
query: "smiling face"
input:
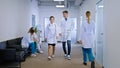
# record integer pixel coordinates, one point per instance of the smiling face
(52, 19)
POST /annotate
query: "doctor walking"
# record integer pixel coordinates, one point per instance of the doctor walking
(51, 36)
(67, 26)
(87, 39)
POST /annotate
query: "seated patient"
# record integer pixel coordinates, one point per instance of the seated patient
(29, 40)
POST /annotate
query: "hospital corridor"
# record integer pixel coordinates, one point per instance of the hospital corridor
(59, 34)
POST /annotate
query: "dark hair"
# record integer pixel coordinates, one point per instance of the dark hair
(51, 17)
(31, 30)
(65, 11)
(87, 12)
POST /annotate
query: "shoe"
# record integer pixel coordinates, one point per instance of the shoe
(92, 64)
(65, 56)
(36, 53)
(41, 52)
(49, 58)
(68, 57)
(84, 63)
(33, 55)
(53, 56)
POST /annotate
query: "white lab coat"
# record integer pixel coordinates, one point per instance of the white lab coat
(66, 29)
(31, 37)
(25, 42)
(87, 34)
(51, 33)
(27, 39)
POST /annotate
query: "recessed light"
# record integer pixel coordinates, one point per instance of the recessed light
(58, 0)
(100, 6)
(60, 6)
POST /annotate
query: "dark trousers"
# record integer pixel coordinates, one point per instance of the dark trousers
(68, 45)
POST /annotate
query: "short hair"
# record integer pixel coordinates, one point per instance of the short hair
(51, 17)
(65, 11)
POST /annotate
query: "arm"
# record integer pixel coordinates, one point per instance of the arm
(57, 31)
(35, 37)
(94, 33)
(46, 32)
(60, 27)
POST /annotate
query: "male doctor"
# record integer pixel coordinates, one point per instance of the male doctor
(67, 26)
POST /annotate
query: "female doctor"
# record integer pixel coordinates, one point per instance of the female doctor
(51, 37)
(87, 39)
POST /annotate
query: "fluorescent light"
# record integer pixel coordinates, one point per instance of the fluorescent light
(58, 0)
(60, 6)
(100, 6)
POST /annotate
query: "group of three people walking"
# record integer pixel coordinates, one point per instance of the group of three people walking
(87, 33)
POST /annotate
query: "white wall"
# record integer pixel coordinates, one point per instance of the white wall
(47, 11)
(15, 17)
(112, 33)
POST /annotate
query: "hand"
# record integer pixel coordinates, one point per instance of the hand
(80, 42)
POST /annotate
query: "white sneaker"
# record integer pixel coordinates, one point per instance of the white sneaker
(49, 58)
(53, 56)
(68, 57)
(65, 56)
(41, 52)
(36, 53)
(33, 55)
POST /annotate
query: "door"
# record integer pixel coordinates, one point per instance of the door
(99, 32)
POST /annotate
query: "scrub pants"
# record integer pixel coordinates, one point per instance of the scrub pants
(68, 45)
(32, 47)
(87, 52)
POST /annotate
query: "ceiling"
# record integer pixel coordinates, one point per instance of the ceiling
(67, 3)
